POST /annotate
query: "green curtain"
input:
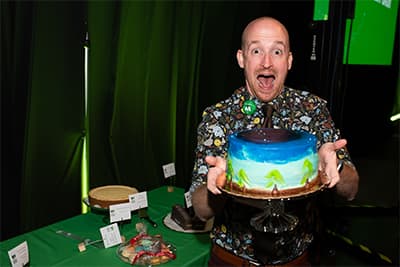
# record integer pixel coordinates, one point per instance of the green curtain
(156, 85)
(151, 85)
(50, 186)
(153, 67)
(15, 36)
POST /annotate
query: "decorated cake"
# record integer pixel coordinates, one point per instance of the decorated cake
(104, 196)
(271, 162)
(186, 219)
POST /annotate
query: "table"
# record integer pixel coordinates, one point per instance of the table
(46, 248)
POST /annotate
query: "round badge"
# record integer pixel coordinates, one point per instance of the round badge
(249, 107)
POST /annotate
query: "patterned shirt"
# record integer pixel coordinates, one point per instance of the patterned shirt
(293, 110)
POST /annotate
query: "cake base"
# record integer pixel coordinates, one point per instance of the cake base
(312, 187)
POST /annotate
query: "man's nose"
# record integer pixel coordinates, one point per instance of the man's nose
(267, 61)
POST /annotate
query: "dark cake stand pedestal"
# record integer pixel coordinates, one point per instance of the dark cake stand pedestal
(273, 218)
(279, 233)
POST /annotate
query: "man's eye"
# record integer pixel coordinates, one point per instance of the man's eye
(256, 51)
(278, 52)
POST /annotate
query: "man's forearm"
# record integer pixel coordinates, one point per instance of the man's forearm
(206, 204)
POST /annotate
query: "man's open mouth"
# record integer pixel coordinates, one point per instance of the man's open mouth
(266, 81)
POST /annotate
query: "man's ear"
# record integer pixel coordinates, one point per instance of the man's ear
(239, 57)
(290, 60)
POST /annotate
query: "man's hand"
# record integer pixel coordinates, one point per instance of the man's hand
(328, 162)
(209, 200)
(216, 173)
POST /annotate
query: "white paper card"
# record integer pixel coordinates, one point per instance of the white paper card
(188, 199)
(19, 256)
(169, 170)
(138, 200)
(111, 235)
(120, 212)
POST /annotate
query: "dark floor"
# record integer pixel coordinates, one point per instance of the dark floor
(366, 231)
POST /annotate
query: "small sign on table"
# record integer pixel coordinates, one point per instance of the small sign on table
(19, 256)
(111, 235)
(169, 172)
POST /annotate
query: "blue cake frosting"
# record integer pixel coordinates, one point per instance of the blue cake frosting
(266, 159)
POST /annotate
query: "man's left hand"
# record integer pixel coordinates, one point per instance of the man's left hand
(328, 162)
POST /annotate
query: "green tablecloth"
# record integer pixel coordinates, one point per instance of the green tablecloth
(46, 248)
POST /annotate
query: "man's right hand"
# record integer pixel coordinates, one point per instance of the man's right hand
(216, 173)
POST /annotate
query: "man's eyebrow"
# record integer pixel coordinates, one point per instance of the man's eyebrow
(275, 43)
(253, 42)
(280, 43)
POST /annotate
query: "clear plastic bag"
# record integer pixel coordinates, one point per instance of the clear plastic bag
(146, 250)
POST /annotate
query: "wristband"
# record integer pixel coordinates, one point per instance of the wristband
(340, 166)
(340, 154)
